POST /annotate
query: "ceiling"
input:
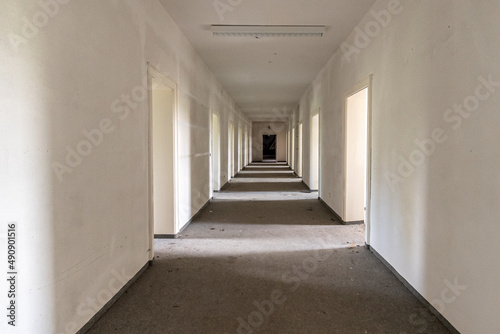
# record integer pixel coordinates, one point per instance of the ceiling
(269, 73)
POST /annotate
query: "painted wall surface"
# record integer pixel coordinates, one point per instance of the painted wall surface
(74, 147)
(260, 129)
(435, 166)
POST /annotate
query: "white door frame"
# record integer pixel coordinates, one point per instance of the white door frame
(230, 150)
(315, 112)
(300, 148)
(366, 83)
(215, 142)
(153, 73)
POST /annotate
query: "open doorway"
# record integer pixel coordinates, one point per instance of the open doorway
(162, 156)
(240, 149)
(215, 165)
(292, 158)
(245, 148)
(299, 150)
(315, 151)
(269, 148)
(230, 146)
(357, 155)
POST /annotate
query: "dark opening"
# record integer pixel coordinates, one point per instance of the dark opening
(269, 147)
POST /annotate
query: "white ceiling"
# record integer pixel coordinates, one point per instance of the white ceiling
(270, 72)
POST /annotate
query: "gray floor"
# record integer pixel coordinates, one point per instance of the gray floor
(267, 257)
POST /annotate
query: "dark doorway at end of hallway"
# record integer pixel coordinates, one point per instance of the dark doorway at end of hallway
(269, 147)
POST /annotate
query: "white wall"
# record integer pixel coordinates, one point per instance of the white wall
(83, 236)
(439, 223)
(260, 129)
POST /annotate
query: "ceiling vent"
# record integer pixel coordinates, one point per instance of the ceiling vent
(258, 31)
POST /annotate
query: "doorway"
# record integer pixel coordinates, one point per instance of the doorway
(240, 150)
(215, 165)
(230, 154)
(357, 150)
(269, 148)
(162, 156)
(315, 151)
(299, 150)
(292, 158)
(245, 148)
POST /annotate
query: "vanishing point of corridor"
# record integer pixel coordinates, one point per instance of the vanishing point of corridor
(266, 256)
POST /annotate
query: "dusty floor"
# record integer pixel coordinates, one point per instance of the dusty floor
(267, 257)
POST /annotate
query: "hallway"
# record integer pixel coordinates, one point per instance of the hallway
(129, 119)
(265, 256)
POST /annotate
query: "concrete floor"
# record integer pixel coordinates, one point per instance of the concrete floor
(265, 256)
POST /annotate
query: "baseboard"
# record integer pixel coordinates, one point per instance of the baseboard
(305, 185)
(224, 187)
(177, 235)
(113, 300)
(309, 188)
(356, 222)
(221, 188)
(337, 216)
(166, 236)
(424, 301)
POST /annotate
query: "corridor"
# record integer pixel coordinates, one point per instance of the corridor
(130, 119)
(266, 256)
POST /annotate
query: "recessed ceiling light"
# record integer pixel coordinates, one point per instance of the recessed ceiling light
(258, 31)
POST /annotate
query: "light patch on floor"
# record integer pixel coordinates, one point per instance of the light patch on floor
(267, 257)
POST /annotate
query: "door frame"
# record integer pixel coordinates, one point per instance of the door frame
(275, 147)
(230, 145)
(300, 148)
(292, 149)
(154, 74)
(315, 112)
(215, 181)
(364, 84)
